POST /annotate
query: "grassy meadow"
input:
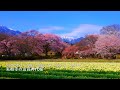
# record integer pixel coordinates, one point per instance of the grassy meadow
(61, 69)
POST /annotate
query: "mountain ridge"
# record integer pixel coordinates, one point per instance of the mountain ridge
(6, 30)
(71, 40)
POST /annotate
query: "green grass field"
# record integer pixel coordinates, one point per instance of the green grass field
(62, 69)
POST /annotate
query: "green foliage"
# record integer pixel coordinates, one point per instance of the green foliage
(60, 74)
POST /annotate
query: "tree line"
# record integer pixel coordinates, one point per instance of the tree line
(34, 45)
(104, 45)
(30, 45)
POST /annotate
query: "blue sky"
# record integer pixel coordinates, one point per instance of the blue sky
(63, 23)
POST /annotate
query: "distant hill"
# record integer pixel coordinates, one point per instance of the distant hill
(6, 30)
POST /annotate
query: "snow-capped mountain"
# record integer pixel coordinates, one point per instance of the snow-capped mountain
(6, 30)
(71, 40)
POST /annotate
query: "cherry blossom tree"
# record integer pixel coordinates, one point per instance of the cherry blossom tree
(7, 46)
(111, 29)
(107, 44)
(3, 36)
(29, 43)
(86, 46)
(70, 51)
(87, 42)
(54, 43)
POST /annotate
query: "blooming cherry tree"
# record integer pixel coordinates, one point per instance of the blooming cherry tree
(107, 44)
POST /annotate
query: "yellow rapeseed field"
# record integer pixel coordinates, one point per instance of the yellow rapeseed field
(82, 66)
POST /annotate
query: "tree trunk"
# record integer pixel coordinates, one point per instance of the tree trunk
(46, 53)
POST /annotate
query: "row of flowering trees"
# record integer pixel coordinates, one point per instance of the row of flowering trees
(34, 44)
(104, 45)
(29, 44)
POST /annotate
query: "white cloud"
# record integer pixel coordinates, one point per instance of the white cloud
(83, 30)
(50, 29)
(80, 31)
